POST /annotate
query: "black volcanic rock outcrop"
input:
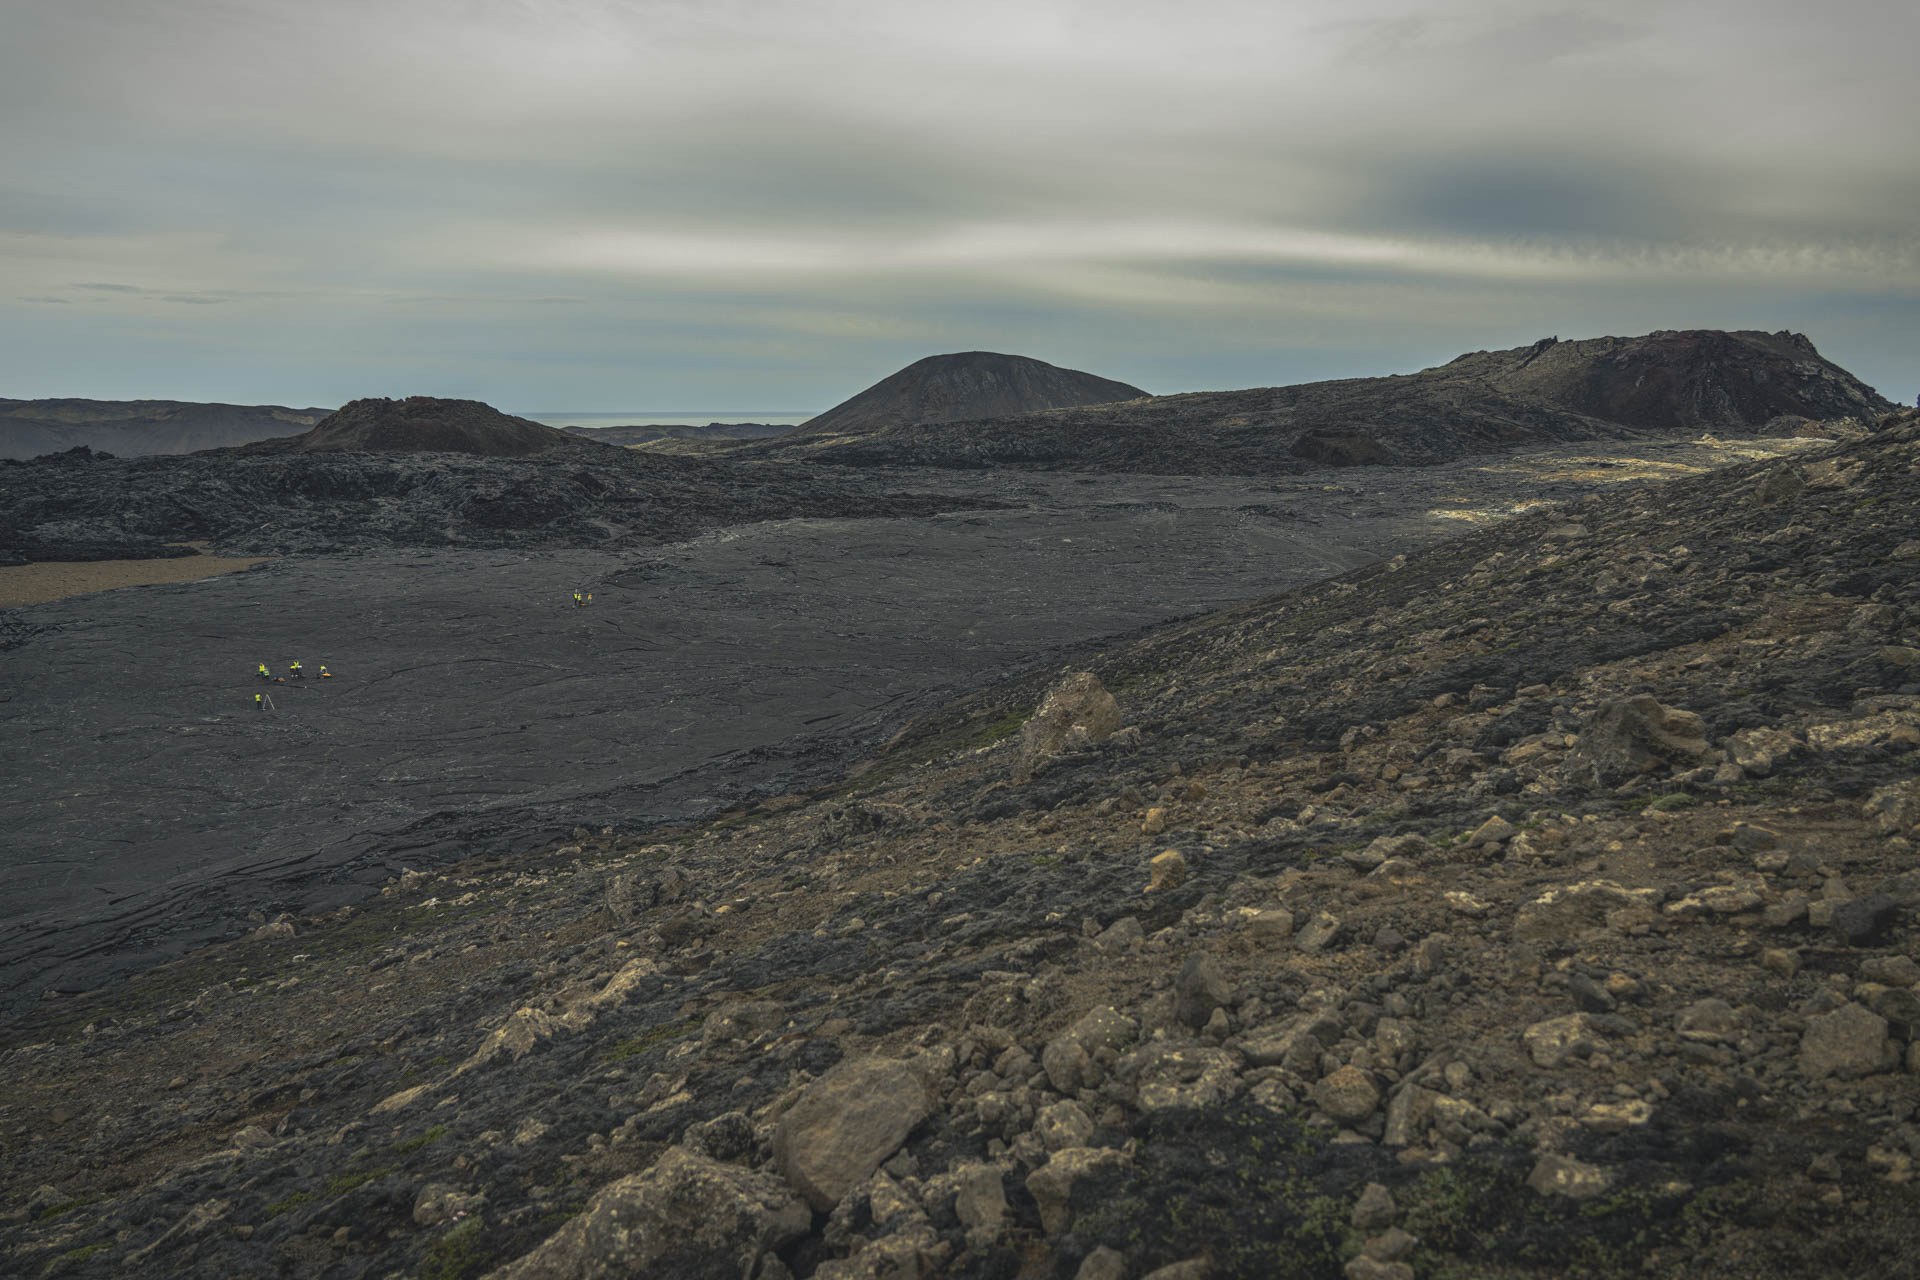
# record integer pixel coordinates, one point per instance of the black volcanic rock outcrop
(408, 473)
(966, 386)
(425, 424)
(1600, 388)
(132, 428)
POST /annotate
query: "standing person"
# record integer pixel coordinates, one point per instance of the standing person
(264, 673)
(295, 671)
(259, 702)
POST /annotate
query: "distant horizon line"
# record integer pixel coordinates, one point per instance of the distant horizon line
(670, 413)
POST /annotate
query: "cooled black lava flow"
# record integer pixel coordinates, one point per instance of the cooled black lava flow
(149, 808)
(475, 710)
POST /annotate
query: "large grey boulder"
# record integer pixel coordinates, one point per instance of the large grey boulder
(686, 1217)
(847, 1122)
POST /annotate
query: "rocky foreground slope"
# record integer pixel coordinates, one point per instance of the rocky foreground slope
(1538, 905)
(420, 472)
(130, 428)
(1599, 388)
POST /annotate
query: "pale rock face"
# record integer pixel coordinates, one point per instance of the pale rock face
(847, 1122)
(1076, 712)
(1847, 1043)
(683, 1213)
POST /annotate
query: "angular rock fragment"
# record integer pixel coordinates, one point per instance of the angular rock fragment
(1847, 1043)
(1075, 713)
(845, 1123)
(1553, 1042)
(1348, 1095)
(1560, 1175)
(1635, 736)
(1051, 1185)
(681, 1217)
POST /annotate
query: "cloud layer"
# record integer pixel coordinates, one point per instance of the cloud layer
(605, 204)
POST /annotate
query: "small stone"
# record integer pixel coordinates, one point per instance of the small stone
(1375, 1209)
(1051, 1185)
(1590, 995)
(1319, 933)
(1616, 1117)
(728, 1136)
(278, 929)
(1270, 927)
(1784, 914)
(1167, 871)
(1348, 1095)
(1063, 1124)
(1894, 1165)
(1390, 1245)
(1102, 1264)
(438, 1203)
(1781, 961)
(1865, 922)
(1847, 1043)
(981, 1201)
(1200, 989)
(1707, 1021)
(1892, 971)
(1748, 838)
(1558, 1175)
(1190, 1269)
(1365, 1268)
(1495, 830)
(1155, 822)
(1552, 1042)
(1407, 1115)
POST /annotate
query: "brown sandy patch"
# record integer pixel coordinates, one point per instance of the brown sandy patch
(56, 579)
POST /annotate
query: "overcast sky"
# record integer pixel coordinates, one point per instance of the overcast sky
(735, 205)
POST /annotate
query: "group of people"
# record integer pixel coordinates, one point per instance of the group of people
(582, 601)
(294, 672)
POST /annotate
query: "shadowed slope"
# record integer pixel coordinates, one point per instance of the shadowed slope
(965, 386)
(1601, 388)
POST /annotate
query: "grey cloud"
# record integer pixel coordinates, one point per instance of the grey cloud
(696, 199)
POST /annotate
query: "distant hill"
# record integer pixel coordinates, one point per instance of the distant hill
(966, 386)
(1598, 388)
(424, 424)
(133, 428)
(641, 433)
